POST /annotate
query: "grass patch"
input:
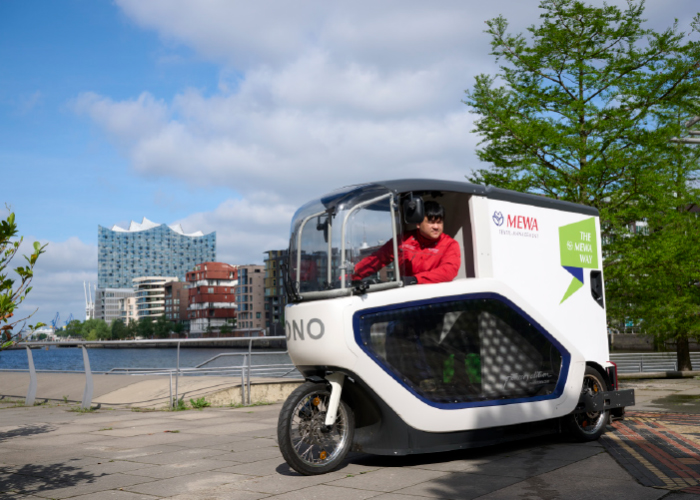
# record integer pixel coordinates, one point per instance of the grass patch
(105, 429)
(178, 405)
(199, 403)
(78, 409)
(255, 403)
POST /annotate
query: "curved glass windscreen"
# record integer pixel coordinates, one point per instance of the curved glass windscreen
(462, 351)
(331, 235)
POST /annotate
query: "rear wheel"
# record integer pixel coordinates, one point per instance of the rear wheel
(307, 444)
(589, 426)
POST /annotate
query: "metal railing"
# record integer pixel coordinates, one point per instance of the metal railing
(245, 370)
(650, 362)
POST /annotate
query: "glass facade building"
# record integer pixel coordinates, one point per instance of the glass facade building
(149, 249)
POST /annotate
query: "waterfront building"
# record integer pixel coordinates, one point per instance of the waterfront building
(149, 249)
(212, 304)
(176, 302)
(250, 298)
(109, 303)
(127, 308)
(150, 295)
(275, 297)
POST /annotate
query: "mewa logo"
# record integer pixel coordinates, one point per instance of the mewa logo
(515, 221)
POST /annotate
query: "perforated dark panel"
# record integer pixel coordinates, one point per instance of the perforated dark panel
(463, 351)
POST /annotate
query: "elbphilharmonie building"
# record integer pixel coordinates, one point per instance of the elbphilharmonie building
(149, 249)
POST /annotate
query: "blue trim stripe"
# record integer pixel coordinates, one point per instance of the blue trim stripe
(563, 373)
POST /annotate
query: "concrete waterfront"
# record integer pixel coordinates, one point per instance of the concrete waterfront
(148, 391)
(47, 451)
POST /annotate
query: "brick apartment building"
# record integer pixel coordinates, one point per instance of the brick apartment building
(176, 302)
(211, 297)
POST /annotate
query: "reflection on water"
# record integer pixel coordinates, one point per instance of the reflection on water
(71, 358)
(684, 403)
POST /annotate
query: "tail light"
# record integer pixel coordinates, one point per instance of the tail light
(612, 374)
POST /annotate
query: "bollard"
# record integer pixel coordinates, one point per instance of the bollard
(87, 393)
(177, 374)
(31, 392)
(250, 357)
(243, 365)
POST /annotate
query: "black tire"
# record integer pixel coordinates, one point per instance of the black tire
(306, 444)
(589, 426)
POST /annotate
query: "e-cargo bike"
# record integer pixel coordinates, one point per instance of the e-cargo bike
(514, 346)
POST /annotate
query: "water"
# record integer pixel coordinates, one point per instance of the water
(102, 360)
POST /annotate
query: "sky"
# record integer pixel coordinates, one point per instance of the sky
(226, 115)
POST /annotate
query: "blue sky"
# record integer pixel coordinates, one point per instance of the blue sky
(225, 116)
(50, 52)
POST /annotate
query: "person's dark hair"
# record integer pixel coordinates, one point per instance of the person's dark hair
(433, 210)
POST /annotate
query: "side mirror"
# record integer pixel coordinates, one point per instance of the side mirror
(322, 225)
(413, 211)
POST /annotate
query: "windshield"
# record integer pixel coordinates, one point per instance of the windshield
(331, 235)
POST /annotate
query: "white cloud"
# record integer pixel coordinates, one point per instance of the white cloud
(311, 96)
(58, 279)
(127, 121)
(246, 228)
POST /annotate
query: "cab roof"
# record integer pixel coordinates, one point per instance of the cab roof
(493, 193)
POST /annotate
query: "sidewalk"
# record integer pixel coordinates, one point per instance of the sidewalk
(231, 453)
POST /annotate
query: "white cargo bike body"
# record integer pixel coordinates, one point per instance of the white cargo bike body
(515, 345)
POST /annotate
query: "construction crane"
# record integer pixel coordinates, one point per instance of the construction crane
(70, 318)
(54, 322)
(89, 301)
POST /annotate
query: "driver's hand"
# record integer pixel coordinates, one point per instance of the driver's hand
(409, 280)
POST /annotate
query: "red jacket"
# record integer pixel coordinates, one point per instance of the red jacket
(430, 261)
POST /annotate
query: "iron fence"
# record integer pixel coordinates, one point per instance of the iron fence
(650, 362)
(246, 370)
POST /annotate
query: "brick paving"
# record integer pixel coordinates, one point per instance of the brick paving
(658, 449)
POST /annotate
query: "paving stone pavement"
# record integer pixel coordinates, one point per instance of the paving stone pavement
(231, 453)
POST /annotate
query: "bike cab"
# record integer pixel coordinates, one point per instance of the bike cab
(510, 340)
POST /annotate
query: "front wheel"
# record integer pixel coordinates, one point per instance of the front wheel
(307, 444)
(589, 426)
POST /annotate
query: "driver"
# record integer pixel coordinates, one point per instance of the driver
(426, 254)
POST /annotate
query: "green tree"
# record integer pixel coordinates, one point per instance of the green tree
(586, 111)
(209, 330)
(95, 329)
(144, 328)
(72, 329)
(133, 329)
(162, 327)
(225, 329)
(655, 276)
(178, 329)
(119, 330)
(13, 291)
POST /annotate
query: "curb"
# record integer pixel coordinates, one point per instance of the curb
(669, 374)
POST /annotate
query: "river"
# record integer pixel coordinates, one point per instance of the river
(101, 360)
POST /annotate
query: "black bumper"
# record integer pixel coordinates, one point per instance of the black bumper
(602, 401)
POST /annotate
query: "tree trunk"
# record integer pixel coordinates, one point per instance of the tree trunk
(683, 354)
